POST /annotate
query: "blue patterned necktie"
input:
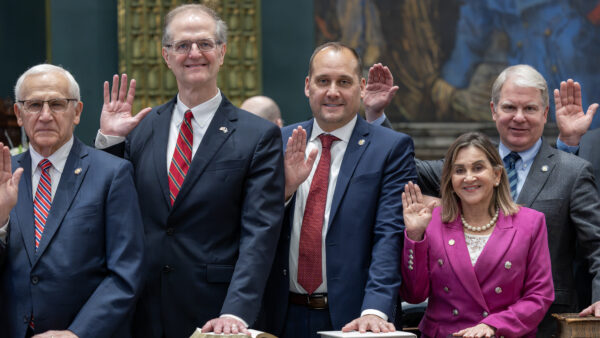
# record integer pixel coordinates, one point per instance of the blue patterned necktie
(509, 163)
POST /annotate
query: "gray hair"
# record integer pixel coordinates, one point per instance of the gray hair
(48, 68)
(221, 26)
(523, 76)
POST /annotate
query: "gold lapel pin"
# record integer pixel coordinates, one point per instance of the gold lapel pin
(544, 168)
(77, 171)
(361, 141)
(451, 242)
(223, 129)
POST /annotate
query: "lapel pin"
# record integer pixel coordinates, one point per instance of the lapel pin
(544, 168)
(361, 141)
(77, 171)
(223, 129)
(451, 242)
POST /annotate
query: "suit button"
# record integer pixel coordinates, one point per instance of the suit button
(410, 251)
(484, 314)
(285, 272)
(446, 289)
(167, 268)
(170, 231)
(440, 262)
(455, 312)
(498, 290)
(35, 280)
(410, 267)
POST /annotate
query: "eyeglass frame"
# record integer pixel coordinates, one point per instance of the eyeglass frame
(192, 42)
(44, 102)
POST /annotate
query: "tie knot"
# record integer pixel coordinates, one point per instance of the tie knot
(188, 116)
(327, 140)
(45, 164)
(511, 159)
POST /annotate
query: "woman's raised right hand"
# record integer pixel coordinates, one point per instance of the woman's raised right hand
(417, 214)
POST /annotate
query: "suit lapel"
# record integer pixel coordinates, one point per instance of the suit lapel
(359, 141)
(67, 189)
(24, 208)
(160, 140)
(220, 128)
(540, 171)
(459, 259)
(495, 248)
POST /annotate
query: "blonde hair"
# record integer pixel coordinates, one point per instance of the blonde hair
(501, 197)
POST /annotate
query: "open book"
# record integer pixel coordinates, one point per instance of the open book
(356, 334)
(255, 334)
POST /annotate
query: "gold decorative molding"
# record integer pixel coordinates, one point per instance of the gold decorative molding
(140, 33)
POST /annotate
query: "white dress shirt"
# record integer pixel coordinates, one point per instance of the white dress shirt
(338, 148)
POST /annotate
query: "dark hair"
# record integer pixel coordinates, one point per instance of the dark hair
(337, 46)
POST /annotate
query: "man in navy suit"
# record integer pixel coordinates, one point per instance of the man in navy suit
(348, 215)
(75, 245)
(211, 180)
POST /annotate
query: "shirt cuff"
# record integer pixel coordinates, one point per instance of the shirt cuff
(226, 315)
(105, 141)
(374, 312)
(4, 231)
(379, 120)
(566, 148)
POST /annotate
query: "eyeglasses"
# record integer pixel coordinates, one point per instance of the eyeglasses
(184, 46)
(56, 105)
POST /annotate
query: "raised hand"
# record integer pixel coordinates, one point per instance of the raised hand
(379, 91)
(116, 118)
(296, 166)
(9, 184)
(571, 120)
(417, 214)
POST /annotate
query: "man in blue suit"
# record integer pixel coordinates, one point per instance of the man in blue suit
(75, 244)
(211, 180)
(339, 252)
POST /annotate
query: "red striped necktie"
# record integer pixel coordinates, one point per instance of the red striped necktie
(42, 201)
(310, 275)
(182, 156)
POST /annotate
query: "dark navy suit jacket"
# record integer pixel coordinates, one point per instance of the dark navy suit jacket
(364, 237)
(87, 272)
(210, 253)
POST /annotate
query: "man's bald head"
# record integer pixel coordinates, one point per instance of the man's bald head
(264, 107)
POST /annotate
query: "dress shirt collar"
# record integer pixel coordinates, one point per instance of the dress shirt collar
(58, 158)
(527, 156)
(203, 112)
(342, 133)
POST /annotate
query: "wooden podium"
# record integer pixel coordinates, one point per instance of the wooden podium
(571, 325)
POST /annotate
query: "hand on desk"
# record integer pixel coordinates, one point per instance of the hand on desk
(593, 310)
(226, 325)
(371, 323)
(56, 334)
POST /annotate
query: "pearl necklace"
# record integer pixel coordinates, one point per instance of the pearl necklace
(482, 228)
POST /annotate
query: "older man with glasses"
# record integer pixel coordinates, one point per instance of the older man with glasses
(71, 224)
(212, 180)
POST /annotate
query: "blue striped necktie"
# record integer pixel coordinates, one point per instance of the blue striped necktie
(509, 162)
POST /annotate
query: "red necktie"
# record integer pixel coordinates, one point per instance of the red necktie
(182, 156)
(309, 254)
(42, 201)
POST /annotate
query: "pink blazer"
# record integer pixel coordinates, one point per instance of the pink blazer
(510, 287)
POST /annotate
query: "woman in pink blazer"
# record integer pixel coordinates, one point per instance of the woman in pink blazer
(482, 261)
